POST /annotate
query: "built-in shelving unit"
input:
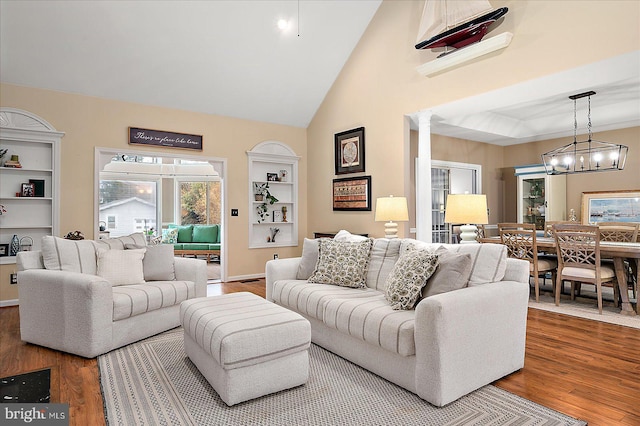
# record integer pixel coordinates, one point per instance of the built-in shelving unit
(541, 197)
(274, 164)
(37, 145)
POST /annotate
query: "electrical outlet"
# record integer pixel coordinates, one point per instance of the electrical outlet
(275, 256)
(234, 212)
(14, 278)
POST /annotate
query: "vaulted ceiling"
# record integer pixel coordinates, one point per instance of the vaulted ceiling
(229, 58)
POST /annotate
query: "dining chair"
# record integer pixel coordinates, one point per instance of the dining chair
(520, 239)
(481, 233)
(578, 248)
(626, 232)
(548, 226)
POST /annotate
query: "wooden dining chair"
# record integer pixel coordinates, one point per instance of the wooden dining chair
(548, 226)
(626, 232)
(578, 248)
(520, 239)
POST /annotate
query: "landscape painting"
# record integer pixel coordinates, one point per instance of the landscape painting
(615, 206)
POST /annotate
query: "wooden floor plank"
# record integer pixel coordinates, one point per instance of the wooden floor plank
(586, 369)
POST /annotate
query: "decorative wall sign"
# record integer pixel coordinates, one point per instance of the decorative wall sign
(352, 193)
(160, 138)
(349, 151)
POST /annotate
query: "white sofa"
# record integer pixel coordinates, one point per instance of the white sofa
(84, 313)
(451, 343)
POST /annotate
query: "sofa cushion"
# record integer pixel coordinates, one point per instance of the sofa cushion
(452, 273)
(121, 267)
(215, 246)
(344, 235)
(489, 260)
(195, 246)
(342, 263)
(158, 262)
(169, 235)
(408, 276)
(131, 300)
(185, 232)
(119, 243)
(69, 255)
(384, 255)
(309, 299)
(205, 234)
(309, 259)
(370, 318)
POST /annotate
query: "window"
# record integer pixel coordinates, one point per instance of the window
(132, 202)
(200, 202)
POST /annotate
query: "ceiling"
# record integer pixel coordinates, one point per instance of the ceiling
(219, 57)
(540, 109)
(229, 58)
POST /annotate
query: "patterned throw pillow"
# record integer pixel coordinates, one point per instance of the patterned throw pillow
(342, 263)
(409, 275)
(170, 236)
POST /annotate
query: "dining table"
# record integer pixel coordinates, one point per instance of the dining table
(618, 251)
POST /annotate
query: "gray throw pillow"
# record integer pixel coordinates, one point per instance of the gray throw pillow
(309, 259)
(158, 262)
(453, 272)
(342, 263)
(408, 276)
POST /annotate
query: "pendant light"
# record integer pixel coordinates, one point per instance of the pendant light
(584, 156)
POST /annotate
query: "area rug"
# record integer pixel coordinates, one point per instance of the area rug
(586, 306)
(152, 382)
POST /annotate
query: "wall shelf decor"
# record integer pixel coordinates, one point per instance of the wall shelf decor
(269, 162)
(37, 145)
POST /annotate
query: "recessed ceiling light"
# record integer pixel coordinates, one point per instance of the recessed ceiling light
(284, 25)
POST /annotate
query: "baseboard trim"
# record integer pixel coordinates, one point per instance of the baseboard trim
(10, 302)
(244, 277)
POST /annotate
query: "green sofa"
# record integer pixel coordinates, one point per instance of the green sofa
(196, 240)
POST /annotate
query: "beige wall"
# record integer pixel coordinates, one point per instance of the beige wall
(91, 122)
(379, 85)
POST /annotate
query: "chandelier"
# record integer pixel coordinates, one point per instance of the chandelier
(584, 156)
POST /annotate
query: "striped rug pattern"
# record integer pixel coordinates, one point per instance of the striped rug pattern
(152, 382)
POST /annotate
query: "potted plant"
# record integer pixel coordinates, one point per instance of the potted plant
(262, 194)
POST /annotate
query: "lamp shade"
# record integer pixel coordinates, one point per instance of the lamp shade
(391, 209)
(466, 208)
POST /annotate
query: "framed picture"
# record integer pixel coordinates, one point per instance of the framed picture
(28, 190)
(352, 193)
(272, 177)
(277, 216)
(4, 250)
(349, 151)
(38, 187)
(610, 206)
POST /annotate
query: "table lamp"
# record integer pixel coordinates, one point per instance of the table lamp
(391, 209)
(469, 209)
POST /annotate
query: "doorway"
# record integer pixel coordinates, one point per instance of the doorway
(139, 191)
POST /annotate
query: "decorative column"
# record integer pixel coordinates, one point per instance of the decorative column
(423, 198)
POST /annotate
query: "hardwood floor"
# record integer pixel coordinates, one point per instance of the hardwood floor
(586, 369)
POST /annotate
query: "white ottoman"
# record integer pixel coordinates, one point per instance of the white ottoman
(246, 346)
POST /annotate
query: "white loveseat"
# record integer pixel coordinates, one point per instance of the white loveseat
(449, 345)
(66, 305)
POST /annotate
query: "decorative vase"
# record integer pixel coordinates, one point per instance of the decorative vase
(15, 246)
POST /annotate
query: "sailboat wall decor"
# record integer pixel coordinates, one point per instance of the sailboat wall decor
(460, 25)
